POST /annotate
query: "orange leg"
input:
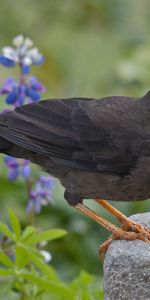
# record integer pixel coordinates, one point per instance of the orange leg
(127, 224)
(130, 230)
(104, 247)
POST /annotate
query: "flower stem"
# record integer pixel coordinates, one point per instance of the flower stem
(31, 214)
(22, 77)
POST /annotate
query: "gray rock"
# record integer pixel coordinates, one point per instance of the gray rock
(127, 267)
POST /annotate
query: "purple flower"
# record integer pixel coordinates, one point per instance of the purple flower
(45, 182)
(13, 167)
(41, 195)
(21, 93)
(36, 85)
(26, 169)
(18, 92)
(17, 168)
(12, 90)
(32, 94)
(33, 203)
(12, 96)
(25, 90)
(20, 100)
(8, 85)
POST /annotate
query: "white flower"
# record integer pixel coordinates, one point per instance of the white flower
(22, 52)
(46, 255)
(18, 40)
(10, 53)
(35, 55)
(28, 42)
(27, 61)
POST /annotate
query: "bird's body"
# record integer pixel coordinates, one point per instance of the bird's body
(95, 147)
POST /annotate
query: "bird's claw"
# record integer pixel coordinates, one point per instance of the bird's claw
(134, 232)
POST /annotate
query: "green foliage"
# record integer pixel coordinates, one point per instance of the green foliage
(24, 273)
(92, 48)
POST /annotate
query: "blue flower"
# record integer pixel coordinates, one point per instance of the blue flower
(16, 96)
(25, 69)
(7, 62)
(12, 96)
(32, 94)
(17, 168)
(37, 59)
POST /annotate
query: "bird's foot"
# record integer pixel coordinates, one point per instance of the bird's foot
(129, 225)
(136, 232)
(129, 230)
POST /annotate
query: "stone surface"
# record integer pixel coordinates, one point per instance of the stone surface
(127, 267)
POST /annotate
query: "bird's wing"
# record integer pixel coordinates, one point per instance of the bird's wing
(92, 135)
(107, 130)
(45, 128)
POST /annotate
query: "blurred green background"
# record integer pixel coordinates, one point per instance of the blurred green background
(92, 48)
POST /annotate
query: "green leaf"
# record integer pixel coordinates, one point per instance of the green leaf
(27, 233)
(47, 270)
(31, 249)
(6, 231)
(6, 272)
(84, 279)
(47, 235)
(5, 260)
(15, 224)
(22, 257)
(5, 288)
(86, 286)
(58, 289)
(101, 294)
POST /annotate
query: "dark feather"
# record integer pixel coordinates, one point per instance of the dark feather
(81, 133)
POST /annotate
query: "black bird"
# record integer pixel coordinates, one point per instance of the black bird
(96, 147)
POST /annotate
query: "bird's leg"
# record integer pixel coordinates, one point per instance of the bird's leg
(97, 218)
(117, 233)
(104, 247)
(127, 224)
(133, 232)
